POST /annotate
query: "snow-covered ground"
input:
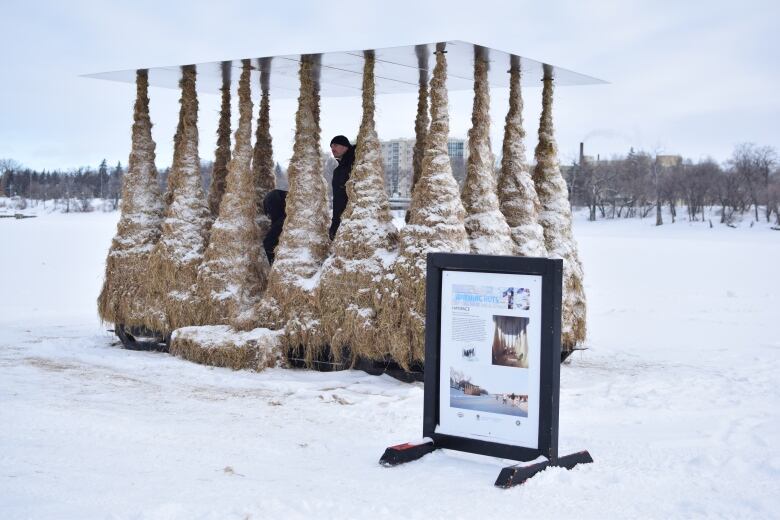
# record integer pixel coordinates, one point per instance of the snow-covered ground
(677, 399)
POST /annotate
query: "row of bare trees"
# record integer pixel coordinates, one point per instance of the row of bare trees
(641, 184)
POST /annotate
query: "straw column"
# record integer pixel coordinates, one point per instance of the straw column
(516, 191)
(485, 224)
(555, 217)
(176, 257)
(364, 247)
(436, 224)
(125, 298)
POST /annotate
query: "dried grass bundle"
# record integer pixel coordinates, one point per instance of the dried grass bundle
(267, 313)
(485, 224)
(516, 191)
(436, 224)
(422, 120)
(555, 217)
(174, 262)
(124, 298)
(263, 157)
(304, 242)
(234, 269)
(221, 346)
(364, 246)
(222, 155)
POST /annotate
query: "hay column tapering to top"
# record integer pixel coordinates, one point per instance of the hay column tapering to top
(422, 120)
(436, 224)
(263, 157)
(124, 298)
(364, 245)
(516, 191)
(485, 224)
(185, 230)
(304, 242)
(222, 155)
(556, 219)
(234, 269)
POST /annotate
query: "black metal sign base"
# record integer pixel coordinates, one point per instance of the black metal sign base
(141, 338)
(516, 475)
(509, 476)
(408, 452)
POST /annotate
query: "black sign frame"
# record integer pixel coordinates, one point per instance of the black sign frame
(551, 271)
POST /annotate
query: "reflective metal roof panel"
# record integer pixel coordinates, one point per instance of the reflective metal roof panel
(396, 71)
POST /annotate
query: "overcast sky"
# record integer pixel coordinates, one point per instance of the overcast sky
(686, 77)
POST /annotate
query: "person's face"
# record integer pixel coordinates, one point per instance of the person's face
(338, 150)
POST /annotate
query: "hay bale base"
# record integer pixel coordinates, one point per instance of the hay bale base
(222, 346)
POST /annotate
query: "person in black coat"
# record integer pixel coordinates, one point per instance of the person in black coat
(273, 207)
(344, 153)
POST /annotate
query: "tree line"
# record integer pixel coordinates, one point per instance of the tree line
(641, 184)
(74, 190)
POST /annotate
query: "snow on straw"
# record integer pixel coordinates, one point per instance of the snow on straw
(124, 298)
(555, 217)
(178, 253)
(485, 224)
(234, 269)
(347, 291)
(516, 191)
(222, 346)
(436, 224)
(304, 242)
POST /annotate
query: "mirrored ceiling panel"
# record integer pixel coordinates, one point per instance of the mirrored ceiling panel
(397, 71)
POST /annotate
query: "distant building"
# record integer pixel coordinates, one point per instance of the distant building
(397, 155)
(457, 151)
(668, 161)
(470, 389)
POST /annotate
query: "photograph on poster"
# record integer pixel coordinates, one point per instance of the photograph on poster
(470, 354)
(477, 395)
(510, 341)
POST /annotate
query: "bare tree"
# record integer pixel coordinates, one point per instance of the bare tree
(729, 193)
(773, 202)
(753, 164)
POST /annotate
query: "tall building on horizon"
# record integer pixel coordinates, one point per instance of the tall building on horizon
(397, 155)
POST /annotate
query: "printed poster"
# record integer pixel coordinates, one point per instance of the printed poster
(490, 357)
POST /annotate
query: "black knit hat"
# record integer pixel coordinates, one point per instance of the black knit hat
(343, 141)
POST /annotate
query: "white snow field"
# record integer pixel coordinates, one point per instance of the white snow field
(677, 399)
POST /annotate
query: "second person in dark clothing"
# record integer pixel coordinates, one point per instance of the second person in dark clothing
(344, 153)
(274, 208)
